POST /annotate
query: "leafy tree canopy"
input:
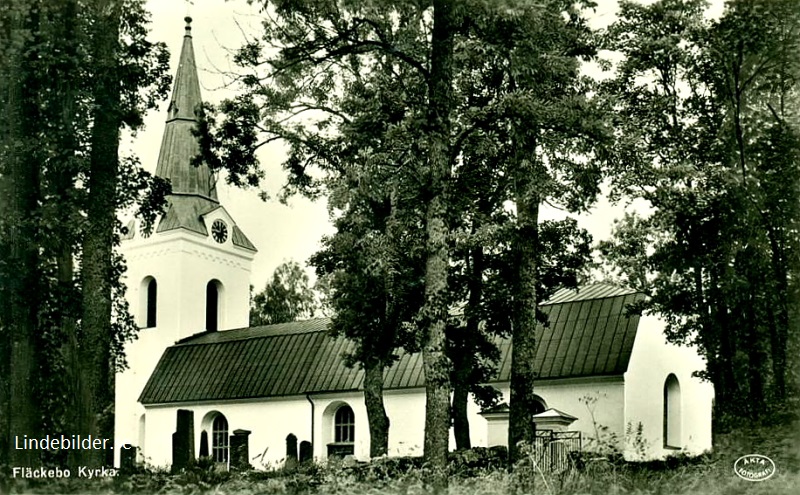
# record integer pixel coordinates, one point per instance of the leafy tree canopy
(287, 297)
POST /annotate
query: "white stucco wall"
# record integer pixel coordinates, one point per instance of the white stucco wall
(325, 406)
(604, 418)
(652, 361)
(183, 262)
(406, 412)
(269, 422)
(599, 420)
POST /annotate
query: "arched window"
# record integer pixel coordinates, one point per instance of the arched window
(142, 424)
(152, 296)
(538, 405)
(344, 425)
(672, 413)
(212, 306)
(148, 303)
(219, 439)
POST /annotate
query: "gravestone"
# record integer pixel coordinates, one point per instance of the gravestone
(291, 452)
(306, 451)
(127, 459)
(240, 450)
(203, 444)
(183, 441)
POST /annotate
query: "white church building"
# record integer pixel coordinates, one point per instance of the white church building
(600, 369)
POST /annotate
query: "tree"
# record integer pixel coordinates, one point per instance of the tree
(317, 40)
(287, 297)
(20, 270)
(87, 72)
(336, 64)
(373, 265)
(705, 131)
(551, 144)
(438, 173)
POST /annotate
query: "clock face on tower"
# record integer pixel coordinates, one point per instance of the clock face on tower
(219, 231)
(145, 232)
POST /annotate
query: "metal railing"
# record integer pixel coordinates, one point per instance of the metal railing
(552, 449)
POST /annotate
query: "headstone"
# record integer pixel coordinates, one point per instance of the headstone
(203, 444)
(127, 459)
(240, 450)
(291, 452)
(349, 461)
(183, 441)
(306, 451)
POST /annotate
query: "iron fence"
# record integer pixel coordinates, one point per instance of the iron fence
(552, 450)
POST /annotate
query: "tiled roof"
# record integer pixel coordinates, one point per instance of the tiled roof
(554, 413)
(128, 232)
(194, 191)
(585, 337)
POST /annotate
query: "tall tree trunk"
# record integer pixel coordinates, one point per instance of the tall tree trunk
(463, 363)
(99, 238)
(779, 330)
(521, 427)
(435, 361)
(723, 332)
(19, 301)
(63, 178)
(460, 403)
(755, 361)
(376, 411)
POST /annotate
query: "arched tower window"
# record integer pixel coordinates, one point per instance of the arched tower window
(212, 305)
(672, 413)
(344, 425)
(220, 445)
(152, 297)
(148, 307)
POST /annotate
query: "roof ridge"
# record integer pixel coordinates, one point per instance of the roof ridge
(286, 328)
(267, 331)
(589, 292)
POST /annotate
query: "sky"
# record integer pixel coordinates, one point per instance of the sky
(280, 232)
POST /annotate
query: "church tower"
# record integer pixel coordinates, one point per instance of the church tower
(191, 274)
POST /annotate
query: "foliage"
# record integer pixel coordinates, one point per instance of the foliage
(602, 442)
(373, 269)
(328, 59)
(287, 297)
(76, 76)
(707, 130)
(635, 441)
(408, 128)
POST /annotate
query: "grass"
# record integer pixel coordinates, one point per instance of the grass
(709, 474)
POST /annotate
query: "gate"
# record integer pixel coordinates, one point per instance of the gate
(552, 449)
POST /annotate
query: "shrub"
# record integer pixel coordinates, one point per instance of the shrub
(477, 461)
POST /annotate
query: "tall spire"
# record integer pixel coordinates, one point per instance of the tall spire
(179, 146)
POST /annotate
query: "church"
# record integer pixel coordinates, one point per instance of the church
(604, 375)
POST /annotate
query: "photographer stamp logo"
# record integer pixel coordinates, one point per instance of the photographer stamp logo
(754, 467)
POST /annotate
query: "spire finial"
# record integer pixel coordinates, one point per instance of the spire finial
(188, 25)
